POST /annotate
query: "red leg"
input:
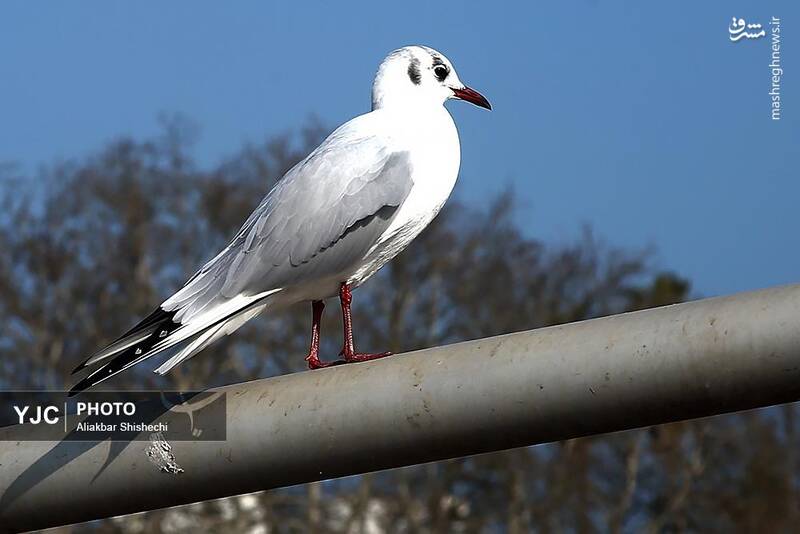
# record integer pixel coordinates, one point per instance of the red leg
(313, 360)
(348, 350)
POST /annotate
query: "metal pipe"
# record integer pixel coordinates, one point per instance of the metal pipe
(631, 370)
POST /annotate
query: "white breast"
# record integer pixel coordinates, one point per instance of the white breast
(435, 156)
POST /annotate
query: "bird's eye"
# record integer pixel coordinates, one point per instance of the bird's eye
(441, 72)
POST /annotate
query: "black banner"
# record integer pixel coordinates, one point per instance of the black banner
(115, 416)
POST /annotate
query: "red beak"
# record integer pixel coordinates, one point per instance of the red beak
(472, 96)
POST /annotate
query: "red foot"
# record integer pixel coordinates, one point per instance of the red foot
(366, 356)
(362, 356)
(348, 350)
(315, 363)
(313, 352)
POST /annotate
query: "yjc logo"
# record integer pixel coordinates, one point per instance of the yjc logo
(48, 414)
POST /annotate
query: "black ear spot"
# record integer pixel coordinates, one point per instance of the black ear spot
(413, 71)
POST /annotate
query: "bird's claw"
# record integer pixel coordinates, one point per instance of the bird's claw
(364, 356)
(315, 363)
(319, 364)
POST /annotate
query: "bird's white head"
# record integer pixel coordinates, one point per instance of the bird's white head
(419, 76)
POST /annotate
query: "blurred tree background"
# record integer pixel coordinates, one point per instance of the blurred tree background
(89, 246)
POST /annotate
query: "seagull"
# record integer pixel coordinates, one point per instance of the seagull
(329, 224)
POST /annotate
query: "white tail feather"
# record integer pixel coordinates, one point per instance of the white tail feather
(204, 339)
(208, 337)
(121, 345)
(201, 322)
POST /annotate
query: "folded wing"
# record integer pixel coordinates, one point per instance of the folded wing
(322, 218)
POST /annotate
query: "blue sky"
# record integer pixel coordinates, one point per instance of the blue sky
(641, 120)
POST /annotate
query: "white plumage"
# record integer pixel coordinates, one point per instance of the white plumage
(335, 218)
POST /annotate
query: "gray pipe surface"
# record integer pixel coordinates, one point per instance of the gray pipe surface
(636, 369)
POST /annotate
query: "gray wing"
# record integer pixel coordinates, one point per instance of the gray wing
(321, 218)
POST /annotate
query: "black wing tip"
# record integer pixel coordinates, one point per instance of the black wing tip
(126, 358)
(159, 315)
(81, 386)
(80, 367)
(103, 373)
